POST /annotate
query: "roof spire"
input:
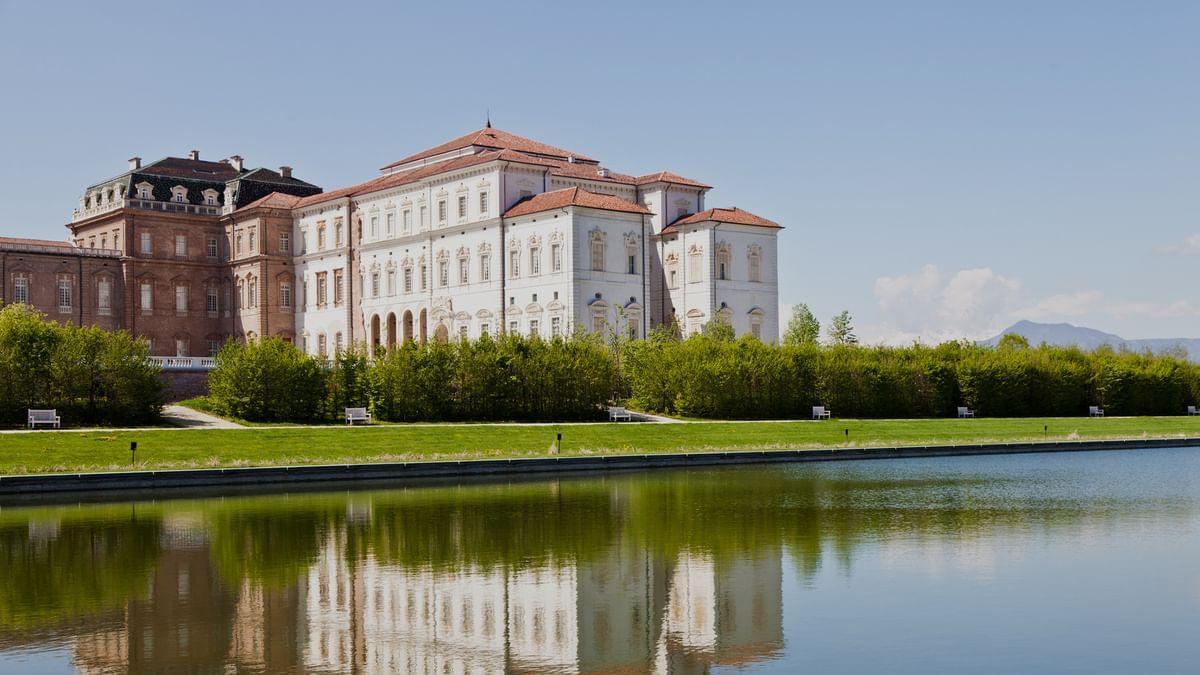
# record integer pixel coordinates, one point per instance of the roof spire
(489, 118)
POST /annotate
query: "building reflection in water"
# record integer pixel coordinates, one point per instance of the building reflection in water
(623, 610)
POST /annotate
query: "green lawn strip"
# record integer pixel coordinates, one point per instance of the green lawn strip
(56, 452)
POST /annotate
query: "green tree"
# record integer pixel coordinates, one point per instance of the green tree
(841, 330)
(803, 328)
(1011, 341)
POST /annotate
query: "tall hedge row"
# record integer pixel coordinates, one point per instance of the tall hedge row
(508, 378)
(90, 376)
(706, 377)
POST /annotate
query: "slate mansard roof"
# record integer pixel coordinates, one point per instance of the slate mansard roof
(199, 175)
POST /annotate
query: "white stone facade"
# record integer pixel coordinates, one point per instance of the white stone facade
(495, 233)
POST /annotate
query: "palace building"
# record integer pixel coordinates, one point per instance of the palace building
(488, 233)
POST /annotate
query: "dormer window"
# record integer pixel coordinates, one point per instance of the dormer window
(210, 197)
(179, 194)
(145, 191)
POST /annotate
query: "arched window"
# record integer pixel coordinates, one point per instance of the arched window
(598, 244)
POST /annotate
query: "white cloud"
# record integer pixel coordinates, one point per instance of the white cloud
(1189, 246)
(932, 307)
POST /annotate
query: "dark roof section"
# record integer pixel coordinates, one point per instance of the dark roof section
(732, 215)
(198, 175)
(495, 139)
(548, 201)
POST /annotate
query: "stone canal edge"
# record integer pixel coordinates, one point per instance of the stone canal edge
(132, 481)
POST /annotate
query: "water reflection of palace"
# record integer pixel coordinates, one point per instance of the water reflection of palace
(620, 610)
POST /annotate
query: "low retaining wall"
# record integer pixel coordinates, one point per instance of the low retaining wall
(297, 475)
(184, 384)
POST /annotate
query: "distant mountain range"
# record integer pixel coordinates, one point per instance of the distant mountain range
(1064, 335)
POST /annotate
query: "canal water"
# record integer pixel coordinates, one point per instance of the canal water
(1066, 563)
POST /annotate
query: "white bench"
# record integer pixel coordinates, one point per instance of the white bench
(1095, 411)
(44, 417)
(1192, 410)
(964, 411)
(616, 413)
(357, 415)
(820, 413)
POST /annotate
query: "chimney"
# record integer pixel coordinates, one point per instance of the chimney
(194, 155)
(603, 173)
(135, 163)
(285, 171)
(236, 160)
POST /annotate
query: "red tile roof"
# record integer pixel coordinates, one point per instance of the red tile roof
(591, 172)
(14, 241)
(495, 139)
(419, 173)
(668, 177)
(275, 200)
(558, 199)
(733, 215)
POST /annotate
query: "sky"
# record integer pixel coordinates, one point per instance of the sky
(942, 169)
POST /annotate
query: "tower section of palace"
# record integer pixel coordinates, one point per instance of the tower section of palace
(488, 233)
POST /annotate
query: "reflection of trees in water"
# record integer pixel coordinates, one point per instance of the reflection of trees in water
(59, 568)
(61, 564)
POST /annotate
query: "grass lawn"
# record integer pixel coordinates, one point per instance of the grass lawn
(70, 451)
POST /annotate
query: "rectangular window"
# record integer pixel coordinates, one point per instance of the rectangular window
(21, 289)
(147, 244)
(337, 232)
(322, 289)
(181, 349)
(374, 227)
(321, 345)
(253, 237)
(462, 332)
(214, 346)
(485, 329)
(633, 264)
(672, 278)
(181, 245)
(755, 267)
(514, 264)
(285, 242)
(598, 324)
(391, 223)
(485, 267)
(555, 326)
(212, 247)
(408, 280)
(443, 273)
(285, 294)
(424, 217)
(756, 331)
(462, 206)
(598, 256)
(535, 260)
(104, 296)
(252, 292)
(375, 284)
(391, 282)
(181, 299)
(64, 295)
(210, 301)
(514, 327)
(534, 324)
(237, 247)
(339, 287)
(694, 273)
(117, 241)
(483, 204)
(441, 210)
(462, 271)
(555, 257)
(407, 221)
(147, 297)
(721, 270)
(320, 237)
(337, 342)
